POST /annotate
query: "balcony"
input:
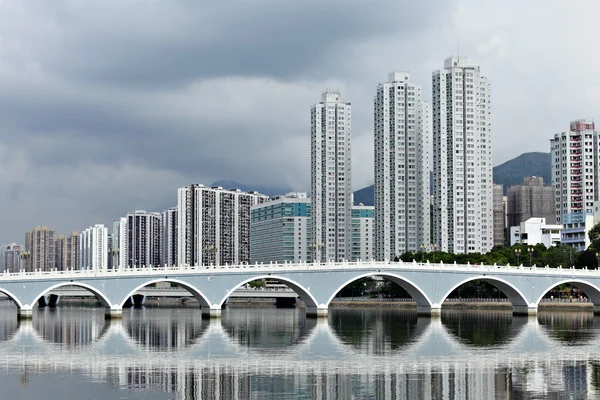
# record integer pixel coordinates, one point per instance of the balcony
(576, 185)
(575, 172)
(576, 191)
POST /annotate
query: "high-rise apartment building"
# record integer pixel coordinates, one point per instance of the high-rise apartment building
(213, 225)
(402, 131)
(499, 215)
(169, 237)
(143, 239)
(575, 170)
(67, 252)
(531, 200)
(280, 230)
(10, 257)
(93, 248)
(39, 249)
(331, 177)
(119, 243)
(462, 158)
(361, 234)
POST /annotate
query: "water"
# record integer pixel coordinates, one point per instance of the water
(74, 353)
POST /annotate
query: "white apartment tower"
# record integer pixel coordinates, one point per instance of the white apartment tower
(169, 237)
(119, 242)
(575, 169)
(213, 225)
(402, 131)
(462, 158)
(93, 248)
(331, 177)
(143, 239)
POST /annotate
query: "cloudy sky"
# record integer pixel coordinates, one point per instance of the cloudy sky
(107, 106)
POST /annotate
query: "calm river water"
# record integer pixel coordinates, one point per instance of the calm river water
(73, 353)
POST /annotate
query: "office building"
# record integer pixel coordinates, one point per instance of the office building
(280, 230)
(10, 257)
(213, 225)
(143, 239)
(362, 233)
(67, 252)
(93, 248)
(40, 247)
(119, 243)
(531, 199)
(536, 231)
(331, 177)
(169, 237)
(575, 169)
(402, 138)
(462, 158)
(499, 215)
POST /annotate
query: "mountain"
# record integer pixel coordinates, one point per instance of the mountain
(513, 171)
(509, 173)
(268, 190)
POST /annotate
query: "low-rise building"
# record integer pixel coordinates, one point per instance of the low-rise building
(535, 231)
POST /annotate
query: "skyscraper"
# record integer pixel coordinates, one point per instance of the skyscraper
(143, 239)
(93, 248)
(119, 243)
(169, 237)
(575, 168)
(213, 226)
(462, 158)
(11, 257)
(402, 129)
(67, 252)
(531, 199)
(331, 177)
(499, 214)
(361, 235)
(39, 249)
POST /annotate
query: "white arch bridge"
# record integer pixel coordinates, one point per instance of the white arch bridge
(316, 284)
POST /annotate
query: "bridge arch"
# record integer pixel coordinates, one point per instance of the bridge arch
(99, 295)
(198, 295)
(308, 298)
(416, 292)
(515, 296)
(591, 290)
(11, 296)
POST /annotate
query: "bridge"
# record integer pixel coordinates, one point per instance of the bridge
(316, 284)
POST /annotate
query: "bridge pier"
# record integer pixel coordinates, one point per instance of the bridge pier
(25, 312)
(114, 312)
(317, 312)
(434, 311)
(597, 309)
(213, 312)
(525, 309)
(53, 300)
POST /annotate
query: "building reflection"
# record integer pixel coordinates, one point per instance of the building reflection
(70, 329)
(483, 328)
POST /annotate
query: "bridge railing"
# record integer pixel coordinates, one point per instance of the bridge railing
(283, 267)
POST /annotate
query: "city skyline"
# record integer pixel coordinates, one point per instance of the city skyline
(98, 119)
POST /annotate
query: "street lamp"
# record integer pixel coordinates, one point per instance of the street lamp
(433, 249)
(211, 250)
(518, 254)
(530, 251)
(314, 251)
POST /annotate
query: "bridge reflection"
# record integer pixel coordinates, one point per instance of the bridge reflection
(483, 328)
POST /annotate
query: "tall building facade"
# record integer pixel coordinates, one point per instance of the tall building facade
(331, 177)
(67, 252)
(169, 237)
(499, 215)
(143, 239)
(119, 243)
(362, 233)
(531, 200)
(575, 170)
(402, 131)
(11, 257)
(40, 249)
(280, 230)
(462, 158)
(213, 225)
(93, 248)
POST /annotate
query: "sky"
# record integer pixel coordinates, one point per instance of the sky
(108, 106)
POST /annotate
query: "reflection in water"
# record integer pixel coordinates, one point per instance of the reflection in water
(483, 328)
(267, 328)
(67, 327)
(377, 331)
(164, 329)
(8, 319)
(379, 355)
(574, 329)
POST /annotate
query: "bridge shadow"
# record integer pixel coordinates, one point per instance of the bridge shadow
(570, 328)
(267, 329)
(377, 331)
(483, 328)
(70, 327)
(164, 329)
